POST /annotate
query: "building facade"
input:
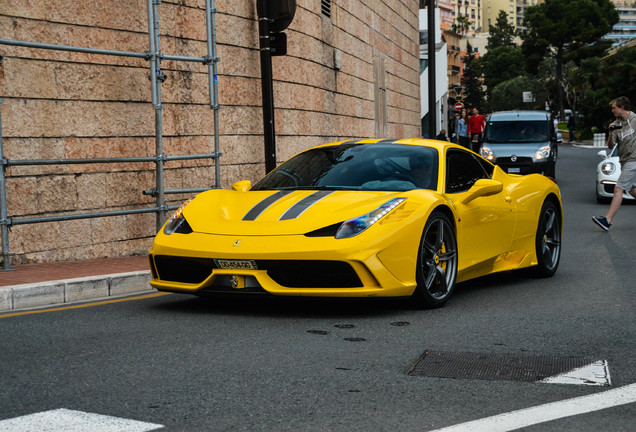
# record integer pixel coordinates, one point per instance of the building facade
(624, 31)
(515, 9)
(351, 70)
(440, 73)
(472, 10)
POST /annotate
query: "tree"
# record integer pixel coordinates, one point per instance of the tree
(461, 26)
(508, 94)
(473, 93)
(501, 64)
(502, 34)
(563, 29)
(603, 80)
(503, 59)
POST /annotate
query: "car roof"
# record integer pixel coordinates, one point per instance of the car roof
(519, 115)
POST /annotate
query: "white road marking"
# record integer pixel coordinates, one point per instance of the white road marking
(596, 373)
(64, 420)
(548, 412)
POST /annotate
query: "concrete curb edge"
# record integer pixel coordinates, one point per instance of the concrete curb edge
(65, 291)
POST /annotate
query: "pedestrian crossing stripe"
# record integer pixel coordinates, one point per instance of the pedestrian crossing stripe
(74, 421)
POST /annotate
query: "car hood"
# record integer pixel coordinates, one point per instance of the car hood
(274, 212)
(518, 149)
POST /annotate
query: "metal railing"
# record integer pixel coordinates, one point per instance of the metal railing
(154, 56)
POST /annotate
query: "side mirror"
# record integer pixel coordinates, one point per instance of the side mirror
(559, 138)
(242, 186)
(483, 187)
(602, 154)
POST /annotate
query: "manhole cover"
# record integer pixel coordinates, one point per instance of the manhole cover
(511, 367)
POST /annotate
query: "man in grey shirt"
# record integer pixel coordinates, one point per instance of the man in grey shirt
(623, 134)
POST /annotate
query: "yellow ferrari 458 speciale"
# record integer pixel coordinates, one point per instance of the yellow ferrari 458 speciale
(369, 218)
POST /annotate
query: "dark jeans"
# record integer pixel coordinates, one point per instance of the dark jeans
(475, 141)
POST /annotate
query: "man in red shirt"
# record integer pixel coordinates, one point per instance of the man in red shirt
(476, 125)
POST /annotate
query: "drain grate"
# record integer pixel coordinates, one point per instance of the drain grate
(485, 366)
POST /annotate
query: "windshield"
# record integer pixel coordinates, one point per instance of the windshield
(385, 167)
(517, 132)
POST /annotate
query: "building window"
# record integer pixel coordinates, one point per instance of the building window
(325, 8)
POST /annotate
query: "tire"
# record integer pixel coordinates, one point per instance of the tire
(436, 270)
(548, 241)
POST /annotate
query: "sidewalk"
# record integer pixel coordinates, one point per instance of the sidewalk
(35, 285)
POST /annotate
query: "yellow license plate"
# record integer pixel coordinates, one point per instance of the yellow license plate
(236, 264)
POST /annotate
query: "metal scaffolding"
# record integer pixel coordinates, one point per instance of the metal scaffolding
(154, 56)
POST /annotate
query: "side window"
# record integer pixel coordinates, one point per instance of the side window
(463, 170)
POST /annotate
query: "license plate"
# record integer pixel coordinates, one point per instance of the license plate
(514, 170)
(236, 264)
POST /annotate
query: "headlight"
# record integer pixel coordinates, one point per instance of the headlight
(542, 153)
(178, 222)
(608, 168)
(487, 153)
(355, 226)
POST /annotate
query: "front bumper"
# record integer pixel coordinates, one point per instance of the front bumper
(293, 265)
(524, 165)
(605, 189)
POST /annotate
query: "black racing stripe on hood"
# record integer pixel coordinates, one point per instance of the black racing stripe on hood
(262, 206)
(302, 205)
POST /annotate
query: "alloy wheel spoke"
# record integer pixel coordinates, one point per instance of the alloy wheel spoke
(430, 249)
(553, 242)
(430, 277)
(447, 256)
(439, 241)
(549, 225)
(442, 288)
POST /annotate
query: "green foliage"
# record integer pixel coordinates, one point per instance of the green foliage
(502, 34)
(508, 95)
(462, 24)
(566, 30)
(501, 64)
(473, 93)
(503, 59)
(606, 79)
(569, 25)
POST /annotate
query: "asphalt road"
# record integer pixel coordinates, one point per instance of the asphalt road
(288, 365)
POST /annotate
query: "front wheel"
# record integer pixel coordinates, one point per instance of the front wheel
(436, 262)
(548, 240)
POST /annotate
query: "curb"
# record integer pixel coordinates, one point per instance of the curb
(73, 290)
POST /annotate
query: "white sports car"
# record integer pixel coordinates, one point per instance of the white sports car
(607, 173)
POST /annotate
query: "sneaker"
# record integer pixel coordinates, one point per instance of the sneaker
(602, 222)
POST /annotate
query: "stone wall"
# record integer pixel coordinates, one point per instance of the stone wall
(61, 105)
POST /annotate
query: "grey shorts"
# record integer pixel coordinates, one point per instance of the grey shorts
(627, 179)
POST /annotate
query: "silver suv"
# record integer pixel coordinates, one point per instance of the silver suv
(521, 142)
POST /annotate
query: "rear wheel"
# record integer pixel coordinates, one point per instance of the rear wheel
(436, 262)
(548, 240)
